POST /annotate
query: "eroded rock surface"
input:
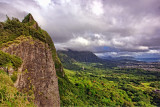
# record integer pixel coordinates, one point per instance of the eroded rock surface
(37, 72)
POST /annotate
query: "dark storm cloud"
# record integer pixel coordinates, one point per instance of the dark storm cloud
(125, 25)
(16, 8)
(6, 9)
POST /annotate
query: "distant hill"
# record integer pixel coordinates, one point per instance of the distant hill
(119, 58)
(69, 57)
(148, 59)
(81, 56)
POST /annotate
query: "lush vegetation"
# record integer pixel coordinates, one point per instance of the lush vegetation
(9, 60)
(11, 30)
(90, 85)
(84, 84)
(10, 96)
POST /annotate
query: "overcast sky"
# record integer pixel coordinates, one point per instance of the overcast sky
(105, 27)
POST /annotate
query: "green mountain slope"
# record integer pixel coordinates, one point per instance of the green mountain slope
(69, 57)
(82, 56)
(11, 29)
(84, 84)
(96, 86)
(10, 33)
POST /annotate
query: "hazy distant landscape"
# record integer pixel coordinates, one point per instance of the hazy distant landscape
(148, 59)
(109, 82)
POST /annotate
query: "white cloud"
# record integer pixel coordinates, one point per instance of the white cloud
(125, 25)
(43, 3)
(97, 7)
(154, 51)
(97, 36)
(80, 40)
(143, 48)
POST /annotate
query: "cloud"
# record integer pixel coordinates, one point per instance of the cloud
(43, 3)
(97, 8)
(125, 26)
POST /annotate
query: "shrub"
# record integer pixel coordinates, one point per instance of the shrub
(9, 95)
(6, 58)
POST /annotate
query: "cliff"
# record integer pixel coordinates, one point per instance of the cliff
(37, 73)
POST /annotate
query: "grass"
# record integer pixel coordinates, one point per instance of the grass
(7, 59)
(10, 96)
(94, 86)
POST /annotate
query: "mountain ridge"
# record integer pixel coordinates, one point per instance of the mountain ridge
(41, 67)
(81, 56)
(69, 57)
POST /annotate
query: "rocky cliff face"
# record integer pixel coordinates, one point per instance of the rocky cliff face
(37, 71)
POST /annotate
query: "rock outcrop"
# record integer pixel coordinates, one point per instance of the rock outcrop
(37, 71)
(29, 19)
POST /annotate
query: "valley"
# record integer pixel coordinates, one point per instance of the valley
(97, 85)
(79, 53)
(148, 66)
(33, 73)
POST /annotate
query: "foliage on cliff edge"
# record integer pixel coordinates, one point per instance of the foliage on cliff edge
(13, 28)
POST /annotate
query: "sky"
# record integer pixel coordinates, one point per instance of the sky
(105, 27)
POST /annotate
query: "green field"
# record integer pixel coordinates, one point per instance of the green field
(92, 86)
